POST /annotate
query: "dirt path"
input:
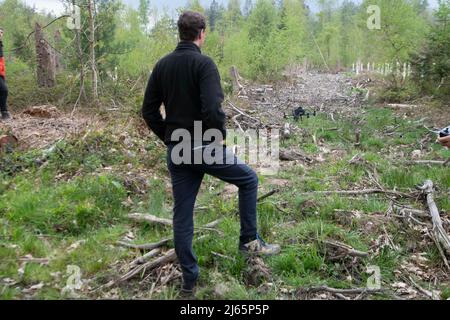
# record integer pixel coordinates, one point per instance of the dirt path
(40, 127)
(334, 94)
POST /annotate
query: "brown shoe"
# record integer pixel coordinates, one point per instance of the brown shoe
(259, 247)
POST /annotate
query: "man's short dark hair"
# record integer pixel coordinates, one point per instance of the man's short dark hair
(190, 25)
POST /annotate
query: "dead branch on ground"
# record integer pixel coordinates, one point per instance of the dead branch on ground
(140, 217)
(361, 192)
(438, 229)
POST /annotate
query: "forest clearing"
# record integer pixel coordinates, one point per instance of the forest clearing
(360, 204)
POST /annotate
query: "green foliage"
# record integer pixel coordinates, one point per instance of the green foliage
(261, 38)
(69, 208)
(431, 65)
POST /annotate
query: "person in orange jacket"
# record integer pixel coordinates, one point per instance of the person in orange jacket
(3, 88)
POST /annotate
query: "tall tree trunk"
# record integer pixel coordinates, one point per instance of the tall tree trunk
(91, 8)
(57, 57)
(82, 93)
(46, 70)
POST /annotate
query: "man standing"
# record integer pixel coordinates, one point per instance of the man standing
(3, 88)
(188, 84)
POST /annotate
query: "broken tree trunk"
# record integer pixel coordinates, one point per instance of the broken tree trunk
(438, 230)
(56, 55)
(237, 86)
(46, 69)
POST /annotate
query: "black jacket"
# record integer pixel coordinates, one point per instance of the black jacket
(188, 84)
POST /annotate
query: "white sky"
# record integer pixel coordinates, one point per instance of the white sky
(54, 6)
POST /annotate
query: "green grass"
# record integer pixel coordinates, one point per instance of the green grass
(77, 219)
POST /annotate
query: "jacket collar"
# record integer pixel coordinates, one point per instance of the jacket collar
(187, 45)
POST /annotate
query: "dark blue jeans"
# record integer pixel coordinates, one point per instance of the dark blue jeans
(186, 181)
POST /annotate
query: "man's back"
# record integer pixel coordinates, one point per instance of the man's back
(188, 83)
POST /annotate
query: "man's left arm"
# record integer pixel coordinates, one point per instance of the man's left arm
(151, 107)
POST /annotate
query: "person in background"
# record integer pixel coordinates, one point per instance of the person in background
(3, 88)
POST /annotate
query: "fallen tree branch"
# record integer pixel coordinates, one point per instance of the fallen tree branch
(438, 229)
(267, 195)
(360, 192)
(341, 291)
(405, 211)
(242, 112)
(148, 246)
(429, 162)
(441, 252)
(170, 256)
(223, 256)
(349, 251)
(139, 217)
(151, 246)
(146, 257)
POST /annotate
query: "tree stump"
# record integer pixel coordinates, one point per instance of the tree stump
(46, 69)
